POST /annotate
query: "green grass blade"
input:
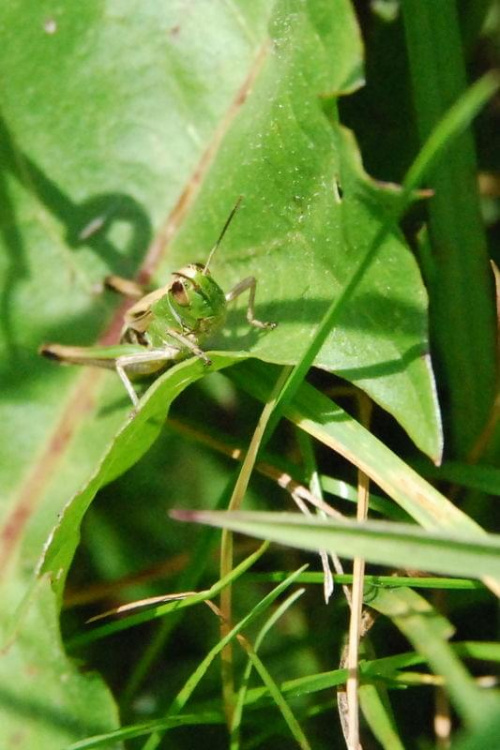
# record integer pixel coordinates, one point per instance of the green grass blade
(240, 701)
(428, 631)
(172, 719)
(140, 730)
(378, 542)
(488, 651)
(280, 701)
(450, 127)
(378, 714)
(483, 478)
(160, 611)
(391, 582)
(185, 693)
(326, 421)
(384, 668)
(462, 282)
(188, 580)
(486, 735)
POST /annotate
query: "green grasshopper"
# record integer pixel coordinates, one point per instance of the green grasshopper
(166, 325)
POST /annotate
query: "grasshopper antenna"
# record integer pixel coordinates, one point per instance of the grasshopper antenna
(224, 230)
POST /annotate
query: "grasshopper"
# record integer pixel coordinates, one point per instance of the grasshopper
(165, 326)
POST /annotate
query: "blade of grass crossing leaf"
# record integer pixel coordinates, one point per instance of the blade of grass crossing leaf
(483, 478)
(482, 651)
(301, 686)
(375, 703)
(461, 115)
(153, 741)
(457, 119)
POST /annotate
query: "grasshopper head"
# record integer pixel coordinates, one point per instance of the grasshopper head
(195, 299)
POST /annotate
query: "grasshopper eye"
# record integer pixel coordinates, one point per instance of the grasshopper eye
(179, 293)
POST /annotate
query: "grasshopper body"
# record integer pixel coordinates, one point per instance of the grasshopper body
(164, 326)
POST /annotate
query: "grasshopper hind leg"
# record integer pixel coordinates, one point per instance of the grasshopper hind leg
(125, 287)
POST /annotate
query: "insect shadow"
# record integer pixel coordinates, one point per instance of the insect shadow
(86, 224)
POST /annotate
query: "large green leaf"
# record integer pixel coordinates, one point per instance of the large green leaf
(46, 702)
(124, 123)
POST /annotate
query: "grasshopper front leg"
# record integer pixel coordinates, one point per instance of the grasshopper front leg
(144, 362)
(250, 284)
(185, 341)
